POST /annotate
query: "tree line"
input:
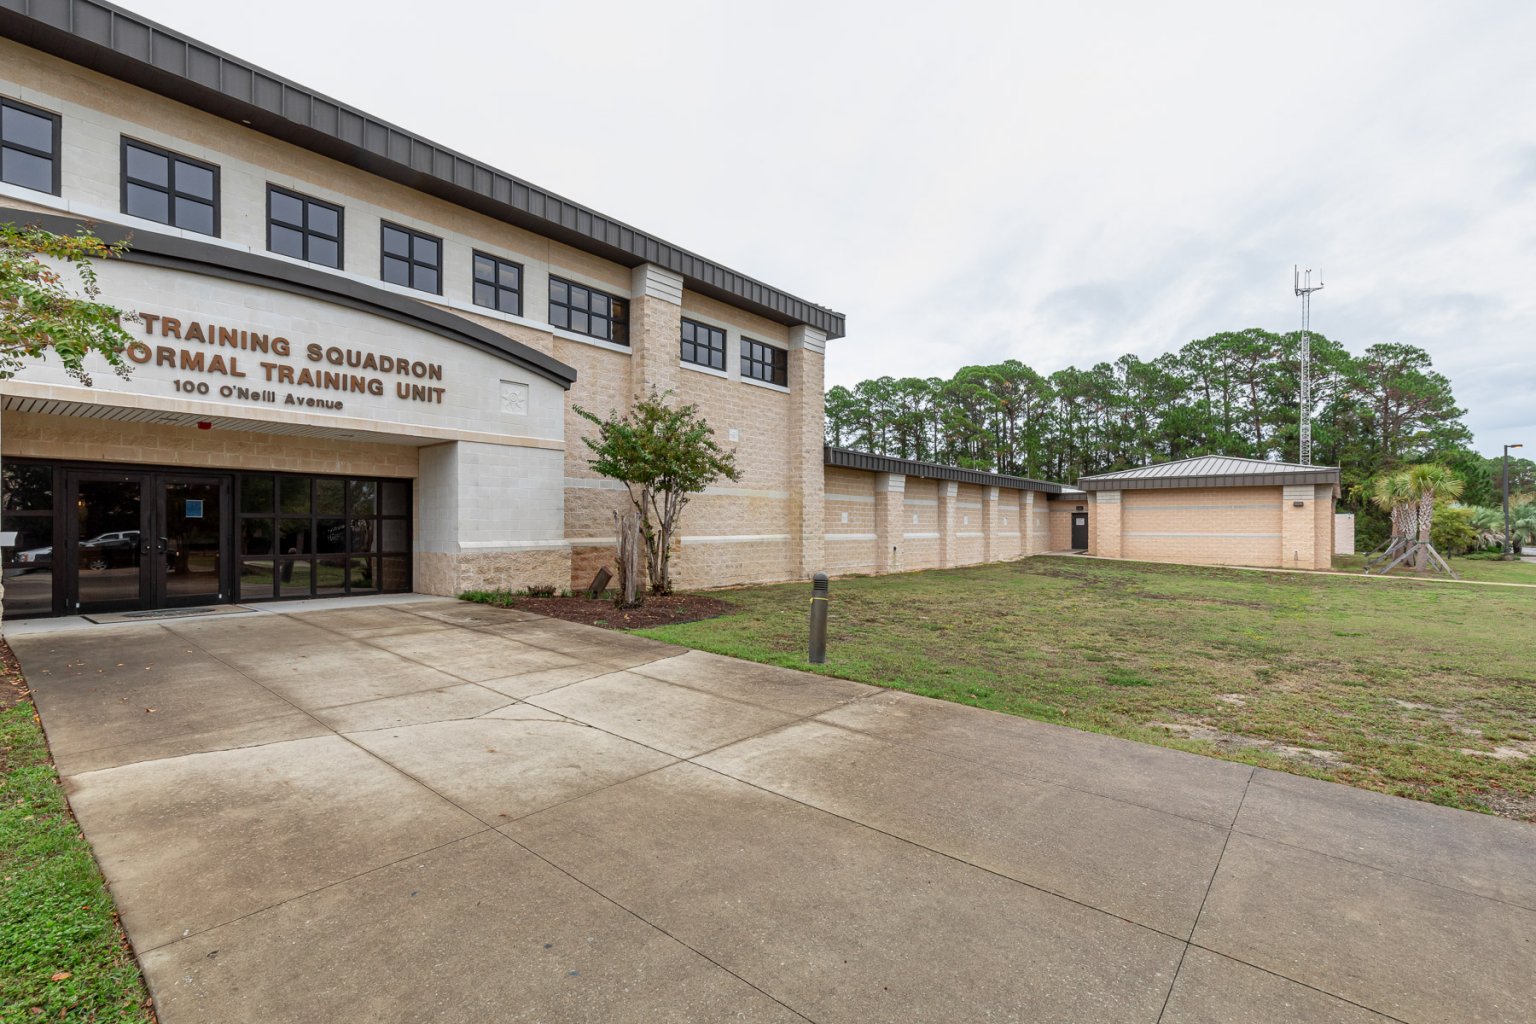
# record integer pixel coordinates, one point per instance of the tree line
(1234, 393)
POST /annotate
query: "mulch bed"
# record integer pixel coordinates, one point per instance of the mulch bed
(657, 611)
(13, 686)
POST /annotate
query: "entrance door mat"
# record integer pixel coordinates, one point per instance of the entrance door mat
(166, 613)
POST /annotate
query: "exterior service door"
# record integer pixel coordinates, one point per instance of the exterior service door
(1080, 531)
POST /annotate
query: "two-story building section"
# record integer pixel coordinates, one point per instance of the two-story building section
(357, 353)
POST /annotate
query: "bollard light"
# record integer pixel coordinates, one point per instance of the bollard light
(819, 594)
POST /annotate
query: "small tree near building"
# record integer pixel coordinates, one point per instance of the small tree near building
(43, 310)
(663, 455)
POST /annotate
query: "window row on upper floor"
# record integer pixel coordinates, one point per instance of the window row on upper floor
(183, 192)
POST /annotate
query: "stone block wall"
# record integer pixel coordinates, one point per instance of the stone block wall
(1289, 527)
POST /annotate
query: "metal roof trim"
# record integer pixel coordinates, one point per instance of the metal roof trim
(115, 42)
(847, 458)
(1211, 471)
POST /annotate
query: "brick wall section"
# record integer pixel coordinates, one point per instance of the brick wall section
(1327, 539)
(968, 526)
(1060, 511)
(920, 524)
(898, 523)
(1109, 515)
(850, 534)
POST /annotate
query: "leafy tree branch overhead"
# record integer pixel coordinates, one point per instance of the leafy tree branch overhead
(50, 302)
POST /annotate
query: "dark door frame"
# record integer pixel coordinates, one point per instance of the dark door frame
(1080, 530)
(226, 592)
(152, 539)
(71, 538)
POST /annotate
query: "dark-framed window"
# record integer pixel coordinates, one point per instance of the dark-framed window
(29, 147)
(316, 536)
(498, 284)
(28, 503)
(588, 311)
(764, 362)
(411, 258)
(703, 345)
(304, 228)
(166, 187)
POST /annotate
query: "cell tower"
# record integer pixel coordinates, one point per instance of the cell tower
(1304, 290)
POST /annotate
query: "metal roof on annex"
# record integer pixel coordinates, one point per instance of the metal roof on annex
(847, 458)
(1211, 471)
(108, 39)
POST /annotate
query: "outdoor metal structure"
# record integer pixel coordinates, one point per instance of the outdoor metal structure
(1304, 292)
(1509, 547)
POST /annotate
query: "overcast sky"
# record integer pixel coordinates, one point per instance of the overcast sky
(1056, 183)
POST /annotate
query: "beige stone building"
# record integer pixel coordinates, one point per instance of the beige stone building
(359, 353)
(358, 359)
(1215, 510)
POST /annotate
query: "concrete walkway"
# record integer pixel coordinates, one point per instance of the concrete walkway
(443, 812)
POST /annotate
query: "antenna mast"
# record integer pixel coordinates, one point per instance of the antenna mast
(1304, 292)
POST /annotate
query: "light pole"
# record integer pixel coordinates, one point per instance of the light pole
(1509, 548)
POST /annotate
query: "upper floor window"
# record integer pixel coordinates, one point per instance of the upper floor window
(29, 147)
(584, 310)
(704, 345)
(498, 284)
(162, 186)
(412, 259)
(764, 362)
(304, 228)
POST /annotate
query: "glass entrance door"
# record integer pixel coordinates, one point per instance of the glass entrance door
(108, 542)
(146, 540)
(193, 568)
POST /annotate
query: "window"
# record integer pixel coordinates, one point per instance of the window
(161, 186)
(314, 536)
(764, 362)
(412, 259)
(587, 311)
(27, 507)
(29, 147)
(304, 228)
(704, 345)
(498, 284)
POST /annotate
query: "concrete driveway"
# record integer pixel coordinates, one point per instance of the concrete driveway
(433, 811)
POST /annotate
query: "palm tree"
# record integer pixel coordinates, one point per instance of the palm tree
(1393, 494)
(1489, 524)
(1427, 482)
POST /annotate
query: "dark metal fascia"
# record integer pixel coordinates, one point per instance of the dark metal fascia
(1329, 476)
(847, 458)
(106, 38)
(211, 260)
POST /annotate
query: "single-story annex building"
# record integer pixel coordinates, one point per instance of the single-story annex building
(1215, 510)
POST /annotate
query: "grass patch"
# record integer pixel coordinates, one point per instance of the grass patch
(1422, 691)
(1479, 568)
(62, 953)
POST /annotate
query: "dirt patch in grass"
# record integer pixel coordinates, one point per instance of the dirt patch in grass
(667, 610)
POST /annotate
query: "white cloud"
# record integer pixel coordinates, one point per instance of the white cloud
(971, 182)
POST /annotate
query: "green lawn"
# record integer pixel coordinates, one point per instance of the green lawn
(1423, 690)
(1482, 569)
(62, 954)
